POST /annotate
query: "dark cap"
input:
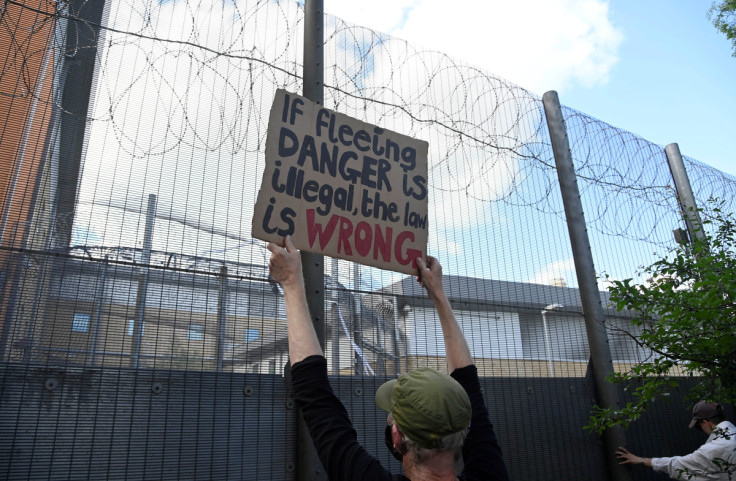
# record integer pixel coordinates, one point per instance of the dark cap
(426, 404)
(704, 410)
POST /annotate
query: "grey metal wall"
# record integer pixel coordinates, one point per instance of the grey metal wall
(140, 424)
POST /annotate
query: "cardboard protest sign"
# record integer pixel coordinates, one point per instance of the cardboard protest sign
(342, 187)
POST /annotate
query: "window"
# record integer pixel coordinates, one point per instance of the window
(251, 335)
(195, 332)
(131, 326)
(81, 322)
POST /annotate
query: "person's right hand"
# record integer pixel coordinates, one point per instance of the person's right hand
(285, 265)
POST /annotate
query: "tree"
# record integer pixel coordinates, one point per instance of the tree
(687, 316)
(723, 16)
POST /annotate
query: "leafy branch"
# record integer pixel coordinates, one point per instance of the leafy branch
(685, 319)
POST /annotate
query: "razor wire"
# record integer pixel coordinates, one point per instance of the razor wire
(180, 109)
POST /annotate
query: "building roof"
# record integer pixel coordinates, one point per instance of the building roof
(476, 293)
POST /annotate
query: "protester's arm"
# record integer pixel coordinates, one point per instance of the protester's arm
(329, 425)
(286, 268)
(481, 452)
(701, 461)
(430, 277)
(625, 457)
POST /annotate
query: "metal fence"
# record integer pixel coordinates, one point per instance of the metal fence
(141, 335)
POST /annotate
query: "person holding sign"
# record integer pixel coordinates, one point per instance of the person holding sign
(433, 418)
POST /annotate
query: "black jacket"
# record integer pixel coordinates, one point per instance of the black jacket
(337, 442)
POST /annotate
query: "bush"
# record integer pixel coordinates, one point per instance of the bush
(687, 314)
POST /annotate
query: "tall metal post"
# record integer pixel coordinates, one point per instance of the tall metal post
(313, 264)
(222, 317)
(600, 352)
(140, 304)
(79, 74)
(334, 299)
(397, 335)
(310, 467)
(357, 322)
(547, 340)
(685, 196)
(98, 312)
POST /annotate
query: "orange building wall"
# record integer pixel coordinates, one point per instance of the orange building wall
(26, 82)
(25, 112)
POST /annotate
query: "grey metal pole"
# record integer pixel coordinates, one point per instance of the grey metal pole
(310, 467)
(140, 304)
(685, 196)
(336, 327)
(397, 336)
(548, 341)
(313, 264)
(335, 318)
(79, 69)
(358, 322)
(98, 312)
(600, 352)
(222, 317)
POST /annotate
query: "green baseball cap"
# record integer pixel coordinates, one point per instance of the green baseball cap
(426, 404)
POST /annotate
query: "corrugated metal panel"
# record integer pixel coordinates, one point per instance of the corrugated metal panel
(491, 334)
(122, 424)
(134, 425)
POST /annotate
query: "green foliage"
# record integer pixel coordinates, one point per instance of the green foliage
(687, 316)
(723, 16)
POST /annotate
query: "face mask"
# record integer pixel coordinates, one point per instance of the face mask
(388, 439)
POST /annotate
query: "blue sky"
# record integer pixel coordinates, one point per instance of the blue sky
(657, 69)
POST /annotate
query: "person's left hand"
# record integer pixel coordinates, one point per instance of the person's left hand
(430, 276)
(285, 265)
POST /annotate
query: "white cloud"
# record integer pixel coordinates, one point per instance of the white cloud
(552, 273)
(385, 16)
(605, 283)
(538, 44)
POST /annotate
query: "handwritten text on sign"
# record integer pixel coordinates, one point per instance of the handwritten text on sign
(342, 187)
